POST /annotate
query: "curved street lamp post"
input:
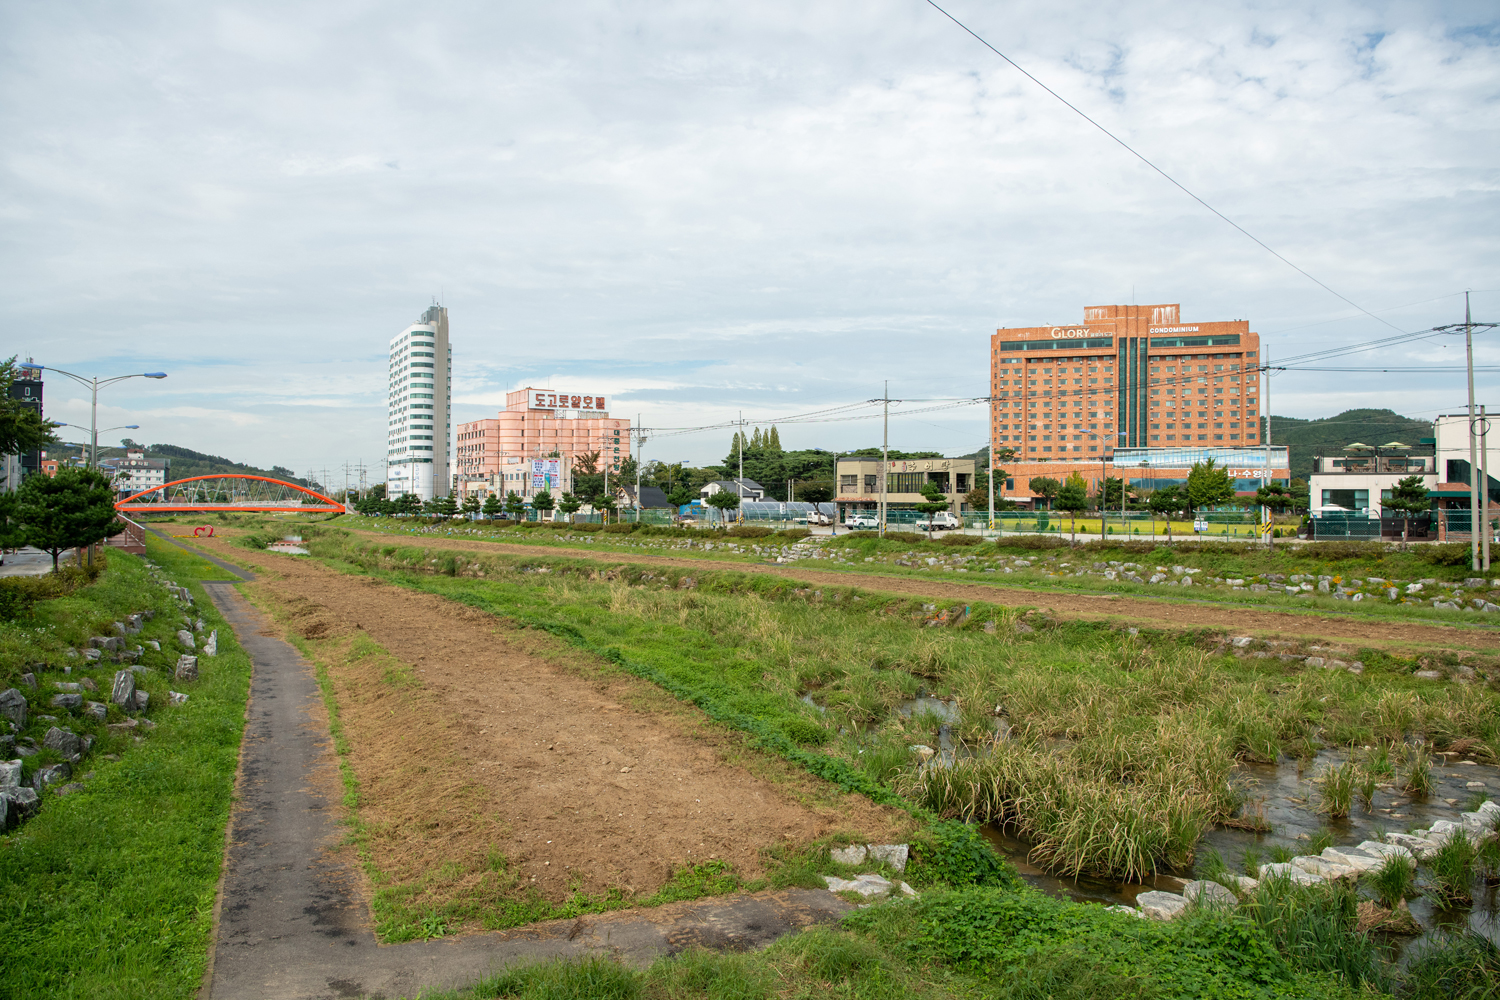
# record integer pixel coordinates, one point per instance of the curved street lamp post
(94, 385)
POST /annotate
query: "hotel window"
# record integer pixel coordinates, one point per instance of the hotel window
(1172, 437)
(1046, 447)
(1156, 437)
(1093, 447)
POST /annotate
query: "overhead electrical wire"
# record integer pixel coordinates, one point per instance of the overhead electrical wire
(1169, 178)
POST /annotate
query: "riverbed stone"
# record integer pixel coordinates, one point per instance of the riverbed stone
(10, 774)
(1419, 846)
(1352, 857)
(1322, 867)
(96, 709)
(211, 647)
(176, 698)
(1241, 641)
(13, 707)
(866, 885)
(1476, 824)
(142, 700)
(1161, 905)
(123, 693)
(1429, 675)
(1129, 910)
(894, 855)
(1206, 894)
(25, 797)
(851, 855)
(187, 668)
(185, 638)
(67, 702)
(1286, 870)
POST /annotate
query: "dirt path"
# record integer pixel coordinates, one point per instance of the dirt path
(293, 923)
(470, 741)
(1163, 612)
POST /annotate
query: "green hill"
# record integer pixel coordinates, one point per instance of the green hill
(1310, 438)
(185, 463)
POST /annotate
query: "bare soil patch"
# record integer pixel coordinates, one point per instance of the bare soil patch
(1161, 612)
(473, 742)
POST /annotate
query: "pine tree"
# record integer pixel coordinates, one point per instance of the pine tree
(773, 440)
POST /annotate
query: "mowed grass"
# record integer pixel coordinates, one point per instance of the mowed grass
(109, 892)
(1119, 747)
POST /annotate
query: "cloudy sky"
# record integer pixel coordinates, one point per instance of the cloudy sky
(704, 209)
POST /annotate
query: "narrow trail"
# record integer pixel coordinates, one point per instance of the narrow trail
(1168, 612)
(293, 918)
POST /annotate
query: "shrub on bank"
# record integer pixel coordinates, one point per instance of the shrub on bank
(960, 541)
(749, 531)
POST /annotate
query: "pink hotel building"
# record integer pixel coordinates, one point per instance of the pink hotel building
(494, 456)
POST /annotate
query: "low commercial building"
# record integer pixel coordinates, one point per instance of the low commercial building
(1153, 469)
(498, 454)
(861, 481)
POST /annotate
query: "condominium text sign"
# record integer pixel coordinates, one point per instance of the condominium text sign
(543, 400)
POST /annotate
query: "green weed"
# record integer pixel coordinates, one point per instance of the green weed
(1393, 881)
(1462, 966)
(1451, 871)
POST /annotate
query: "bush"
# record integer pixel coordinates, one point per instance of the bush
(959, 541)
(1039, 542)
(905, 536)
(956, 854)
(1445, 554)
(749, 531)
(620, 528)
(805, 731)
(794, 533)
(588, 527)
(19, 595)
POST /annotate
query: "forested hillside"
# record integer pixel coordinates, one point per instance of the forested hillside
(1328, 436)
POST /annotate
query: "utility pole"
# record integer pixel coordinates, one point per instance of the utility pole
(992, 465)
(640, 442)
(885, 452)
(1474, 491)
(1266, 444)
(1484, 491)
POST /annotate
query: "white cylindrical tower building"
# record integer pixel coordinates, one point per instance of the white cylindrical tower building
(419, 424)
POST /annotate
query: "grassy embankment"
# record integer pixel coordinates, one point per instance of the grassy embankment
(109, 891)
(1110, 733)
(1055, 566)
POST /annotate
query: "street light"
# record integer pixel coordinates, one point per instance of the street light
(102, 430)
(93, 385)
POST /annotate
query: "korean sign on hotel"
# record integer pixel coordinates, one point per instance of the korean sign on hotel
(546, 399)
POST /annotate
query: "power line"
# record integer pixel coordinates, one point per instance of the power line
(1172, 180)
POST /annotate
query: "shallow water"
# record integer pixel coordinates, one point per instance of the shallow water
(1289, 800)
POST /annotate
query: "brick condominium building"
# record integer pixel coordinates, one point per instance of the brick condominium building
(1128, 377)
(495, 455)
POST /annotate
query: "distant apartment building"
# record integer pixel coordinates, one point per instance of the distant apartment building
(419, 422)
(135, 473)
(26, 390)
(509, 452)
(1126, 377)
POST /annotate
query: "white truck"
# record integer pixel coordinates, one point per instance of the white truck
(862, 522)
(816, 517)
(941, 521)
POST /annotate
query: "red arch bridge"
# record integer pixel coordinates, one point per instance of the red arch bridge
(232, 493)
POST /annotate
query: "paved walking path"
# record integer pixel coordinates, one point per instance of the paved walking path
(291, 920)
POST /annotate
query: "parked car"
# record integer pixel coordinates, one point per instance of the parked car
(943, 521)
(862, 522)
(816, 517)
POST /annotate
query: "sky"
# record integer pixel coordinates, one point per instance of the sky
(706, 210)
